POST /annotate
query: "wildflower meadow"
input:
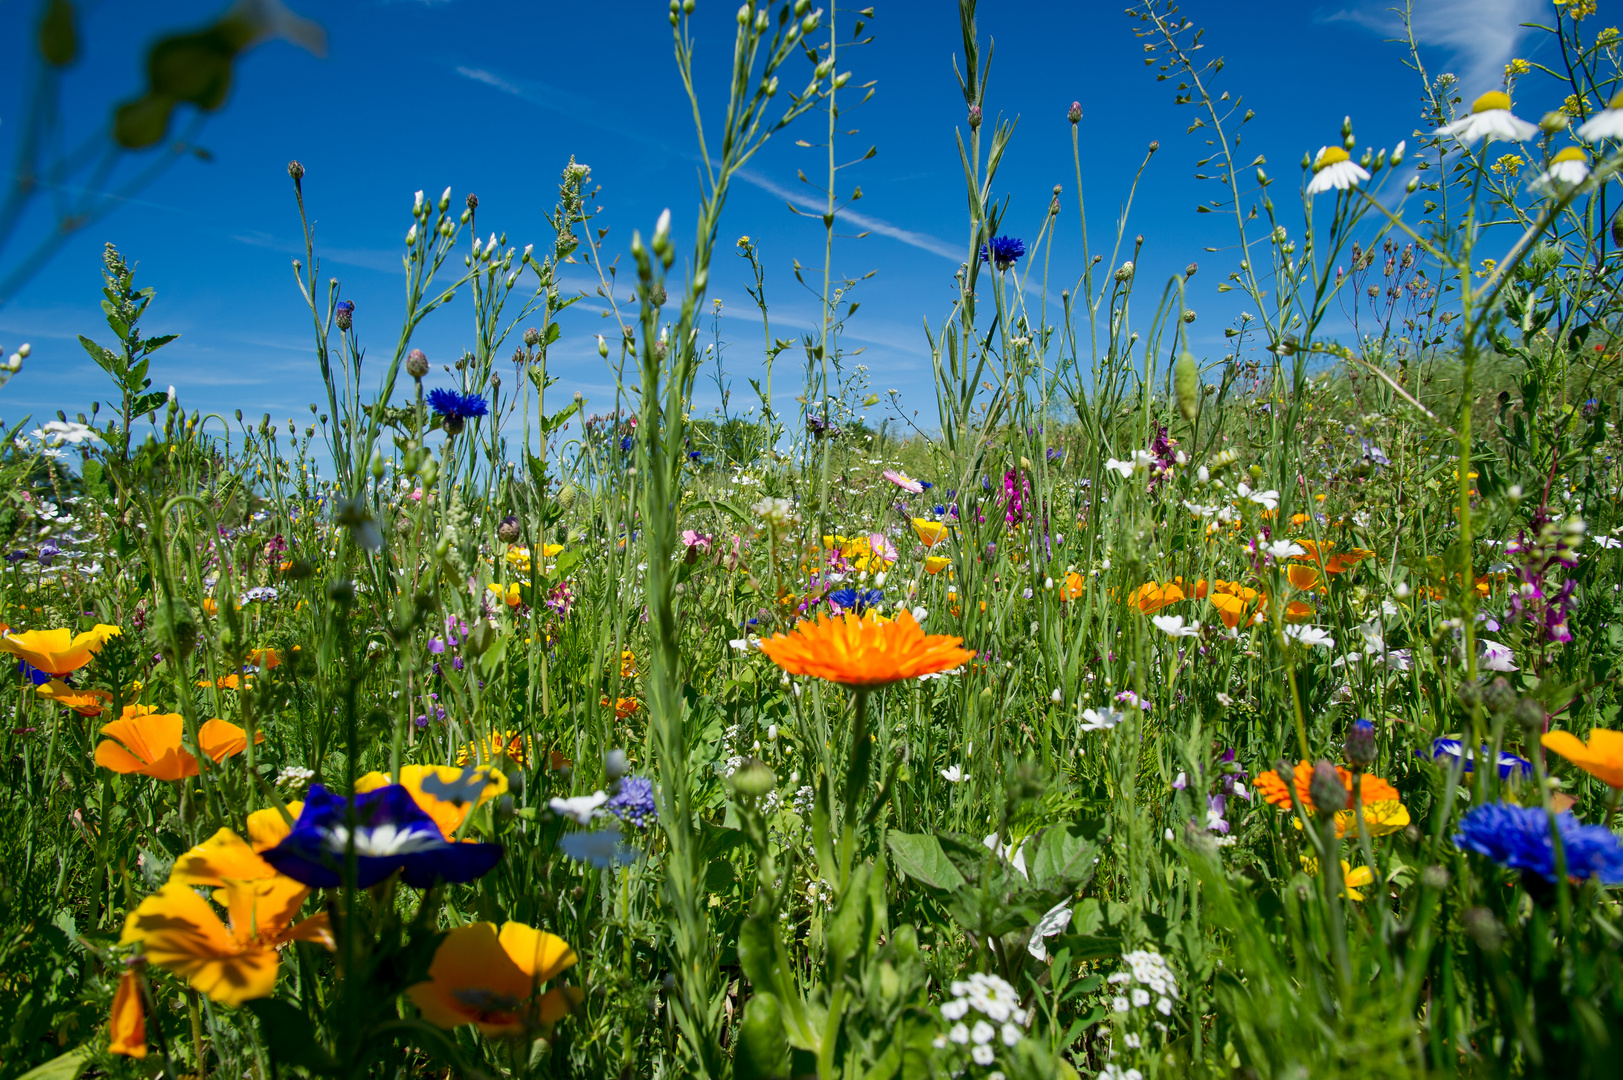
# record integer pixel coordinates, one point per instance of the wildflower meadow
(1146, 712)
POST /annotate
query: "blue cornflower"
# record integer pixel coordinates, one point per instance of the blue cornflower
(1519, 837)
(344, 314)
(634, 802)
(926, 485)
(857, 600)
(695, 456)
(454, 403)
(627, 443)
(33, 674)
(392, 833)
(1003, 251)
(1508, 763)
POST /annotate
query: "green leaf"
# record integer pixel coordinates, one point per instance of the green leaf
(142, 123)
(290, 1035)
(108, 361)
(148, 402)
(152, 345)
(1063, 860)
(58, 38)
(763, 1050)
(66, 1067)
(920, 857)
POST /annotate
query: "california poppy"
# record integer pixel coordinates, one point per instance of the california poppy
(151, 743)
(127, 1023)
(1383, 812)
(861, 651)
(1151, 597)
(930, 533)
(83, 702)
(934, 564)
(446, 793)
(1601, 757)
(490, 979)
(60, 651)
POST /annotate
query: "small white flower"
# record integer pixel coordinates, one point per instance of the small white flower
(1009, 1034)
(1334, 170)
(1607, 541)
(955, 1010)
(1310, 636)
(1133, 1042)
(1056, 697)
(1101, 719)
(1120, 1004)
(580, 808)
(959, 1034)
(1164, 1006)
(982, 1032)
(1173, 626)
(1568, 169)
(1490, 118)
(1141, 997)
(1268, 500)
(982, 1055)
(952, 774)
(1284, 549)
(1606, 124)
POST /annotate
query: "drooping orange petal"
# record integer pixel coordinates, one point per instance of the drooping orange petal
(223, 856)
(221, 738)
(180, 933)
(127, 1024)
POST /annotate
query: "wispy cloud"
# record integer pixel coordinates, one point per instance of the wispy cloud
(380, 259)
(922, 241)
(489, 79)
(1480, 36)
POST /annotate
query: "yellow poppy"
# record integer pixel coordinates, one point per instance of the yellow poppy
(60, 651)
(930, 533)
(1302, 577)
(267, 828)
(934, 564)
(512, 595)
(1351, 880)
(443, 792)
(489, 979)
(1296, 611)
(1601, 757)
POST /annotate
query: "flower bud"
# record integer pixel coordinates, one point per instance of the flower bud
(1186, 384)
(1074, 115)
(753, 779)
(974, 117)
(1552, 122)
(615, 766)
(1469, 694)
(1326, 790)
(1124, 272)
(445, 200)
(417, 363)
(411, 235)
(1397, 153)
(1529, 712)
(1413, 185)
(295, 170)
(508, 532)
(1360, 745)
(417, 204)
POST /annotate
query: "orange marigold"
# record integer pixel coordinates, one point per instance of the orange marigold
(863, 652)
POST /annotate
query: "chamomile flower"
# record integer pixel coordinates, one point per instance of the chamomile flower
(1606, 124)
(1490, 118)
(1567, 170)
(1334, 169)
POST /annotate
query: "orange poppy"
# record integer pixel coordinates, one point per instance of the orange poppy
(1302, 577)
(151, 743)
(1151, 597)
(1601, 757)
(489, 979)
(83, 702)
(1383, 811)
(934, 564)
(443, 792)
(1232, 609)
(861, 651)
(1342, 561)
(127, 1023)
(623, 706)
(1297, 611)
(1072, 587)
(930, 533)
(60, 651)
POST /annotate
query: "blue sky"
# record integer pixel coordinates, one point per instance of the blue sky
(494, 97)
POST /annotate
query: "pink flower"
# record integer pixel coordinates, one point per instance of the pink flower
(693, 539)
(903, 481)
(881, 548)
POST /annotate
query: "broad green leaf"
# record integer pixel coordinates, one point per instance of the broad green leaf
(1063, 860)
(919, 856)
(66, 1067)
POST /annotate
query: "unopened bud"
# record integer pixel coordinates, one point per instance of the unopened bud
(295, 170)
(1360, 745)
(532, 337)
(974, 117)
(1074, 115)
(508, 531)
(1328, 793)
(1529, 712)
(417, 363)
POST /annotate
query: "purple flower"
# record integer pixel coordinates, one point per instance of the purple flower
(634, 802)
(451, 403)
(391, 833)
(1003, 251)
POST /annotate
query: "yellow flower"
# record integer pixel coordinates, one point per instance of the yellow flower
(1508, 164)
(179, 931)
(930, 533)
(83, 702)
(490, 980)
(628, 664)
(934, 564)
(512, 595)
(443, 792)
(507, 744)
(267, 828)
(1351, 880)
(1517, 66)
(60, 651)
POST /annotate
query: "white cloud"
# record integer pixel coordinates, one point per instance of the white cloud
(1480, 36)
(802, 201)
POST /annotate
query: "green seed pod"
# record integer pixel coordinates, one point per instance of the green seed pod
(1186, 383)
(566, 496)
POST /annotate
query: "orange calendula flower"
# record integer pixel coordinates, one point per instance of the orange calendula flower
(930, 533)
(1383, 812)
(1151, 597)
(58, 652)
(491, 979)
(860, 651)
(446, 793)
(151, 743)
(1601, 757)
(127, 1024)
(83, 702)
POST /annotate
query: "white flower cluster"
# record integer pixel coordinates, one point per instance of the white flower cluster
(1116, 1072)
(997, 1003)
(294, 776)
(1147, 979)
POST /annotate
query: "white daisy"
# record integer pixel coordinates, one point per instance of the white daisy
(1284, 549)
(1606, 124)
(1568, 169)
(1334, 169)
(1101, 719)
(1490, 118)
(1173, 626)
(952, 774)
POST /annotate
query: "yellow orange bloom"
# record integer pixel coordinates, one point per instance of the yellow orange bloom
(501, 744)
(444, 792)
(1601, 757)
(127, 1024)
(1072, 587)
(628, 664)
(934, 564)
(58, 652)
(512, 595)
(1342, 561)
(223, 857)
(930, 533)
(151, 743)
(83, 702)
(1351, 880)
(1302, 577)
(1151, 597)
(266, 828)
(861, 651)
(1297, 611)
(1230, 608)
(623, 706)
(489, 979)
(1383, 812)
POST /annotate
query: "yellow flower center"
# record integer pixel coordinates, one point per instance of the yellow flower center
(1330, 155)
(1493, 99)
(1571, 153)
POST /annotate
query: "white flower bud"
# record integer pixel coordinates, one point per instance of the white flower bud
(445, 200)
(411, 236)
